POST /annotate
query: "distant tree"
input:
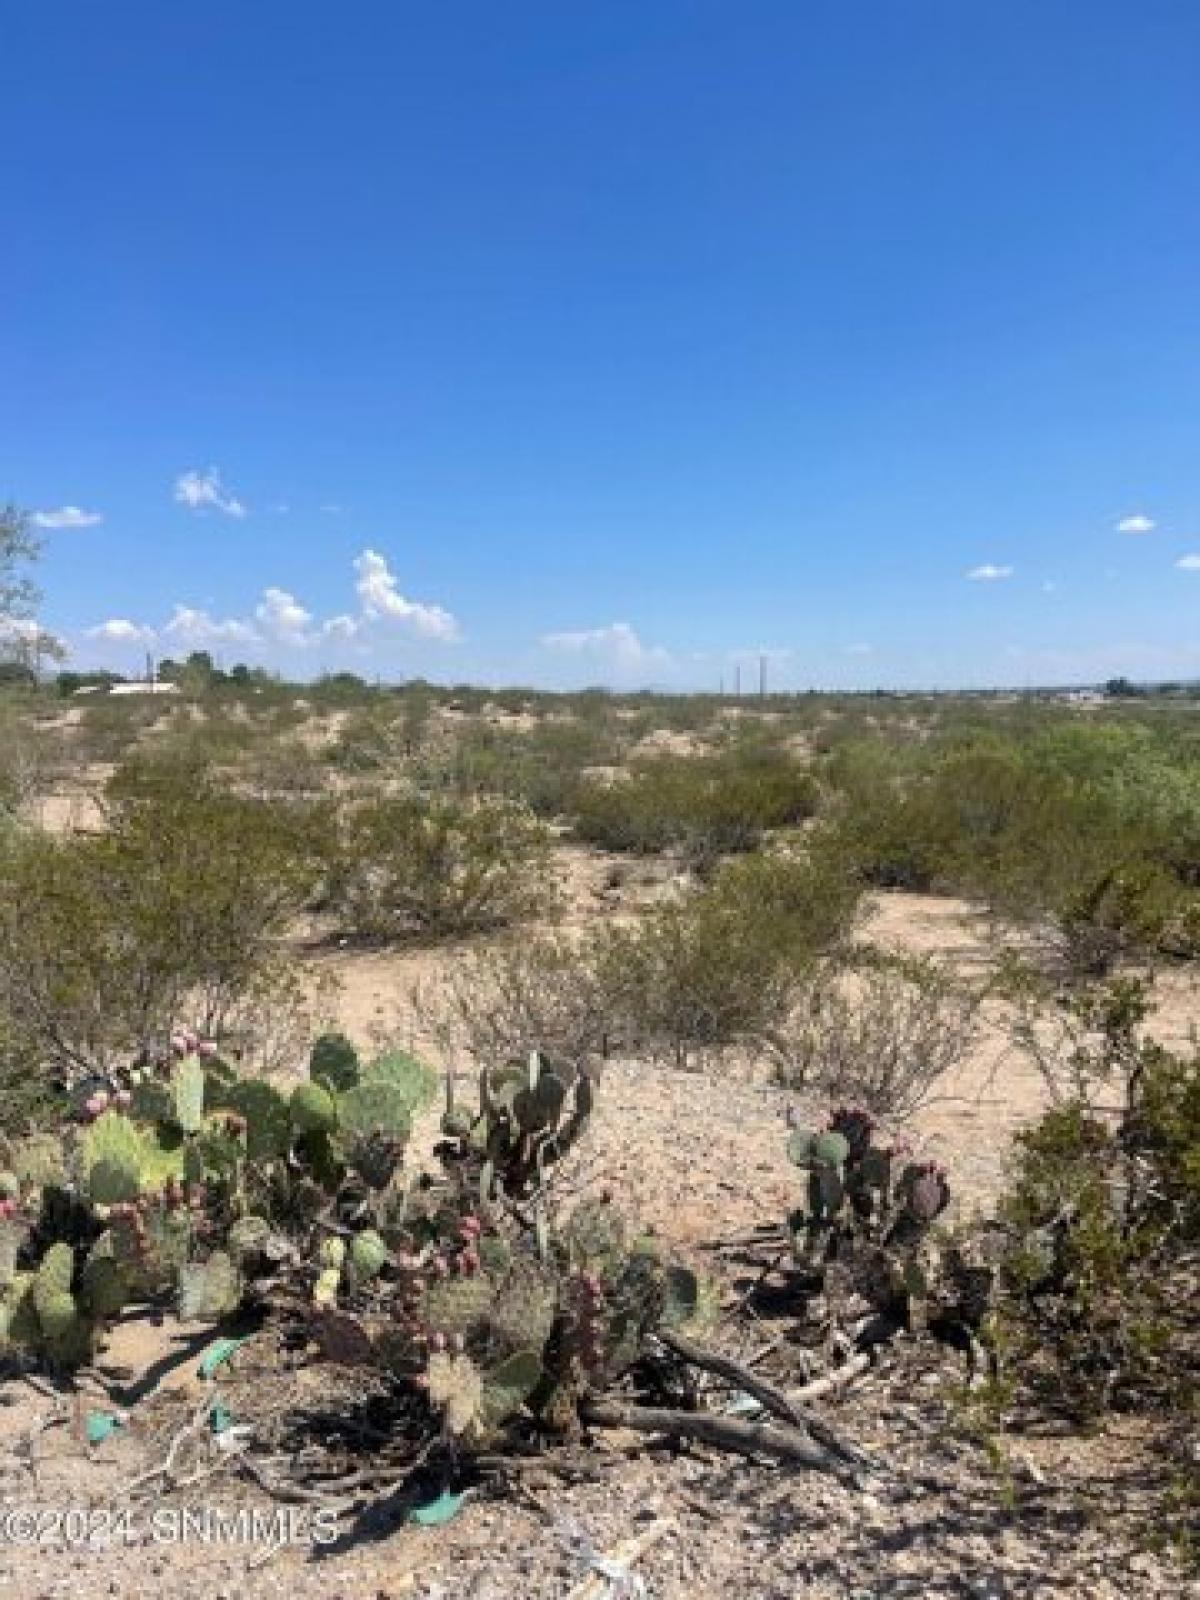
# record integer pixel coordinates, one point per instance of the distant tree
(16, 675)
(18, 545)
(1122, 689)
(23, 644)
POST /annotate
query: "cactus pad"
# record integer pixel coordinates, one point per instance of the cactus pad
(334, 1063)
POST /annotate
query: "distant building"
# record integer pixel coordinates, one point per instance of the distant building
(126, 689)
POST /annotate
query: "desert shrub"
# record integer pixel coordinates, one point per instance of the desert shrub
(170, 912)
(708, 806)
(1033, 834)
(372, 737)
(501, 1002)
(721, 968)
(109, 729)
(24, 763)
(1100, 1303)
(403, 866)
(877, 1031)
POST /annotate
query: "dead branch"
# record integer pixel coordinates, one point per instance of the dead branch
(798, 1449)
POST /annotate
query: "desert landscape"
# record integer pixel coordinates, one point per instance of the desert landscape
(600, 800)
(697, 905)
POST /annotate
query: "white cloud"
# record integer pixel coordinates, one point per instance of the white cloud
(382, 600)
(1138, 523)
(618, 642)
(332, 509)
(119, 630)
(989, 573)
(67, 517)
(195, 627)
(860, 649)
(283, 617)
(200, 490)
(1189, 563)
(341, 627)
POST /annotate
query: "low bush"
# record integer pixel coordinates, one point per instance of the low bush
(721, 968)
(1101, 1303)
(707, 806)
(524, 994)
(400, 866)
(172, 911)
(877, 1031)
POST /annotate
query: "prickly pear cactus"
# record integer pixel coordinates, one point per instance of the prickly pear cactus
(334, 1063)
(113, 1155)
(187, 1093)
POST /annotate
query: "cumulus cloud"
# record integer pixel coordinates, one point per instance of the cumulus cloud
(1189, 563)
(381, 600)
(618, 643)
(1138, 523)
(192, 626)
(201, 491)
(988, 573)
(341, 627)
(67, 517)
(282, 617)
(119, 630)
(279, 619)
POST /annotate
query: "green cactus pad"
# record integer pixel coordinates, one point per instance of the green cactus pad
(825, 1192)
(187, 1094)
(313, 1109)
(506, 1387)
(113, 1154)
(152, 1101)
(58, 1315)
(103, 1287)
(457, 1305)
(210, 1289)
(415, 1081)
(375, 1107)
(368, 1253)
(55, 1272)
(265, 1113)
(832, 1148)
(332, 1252)
(334, 1063)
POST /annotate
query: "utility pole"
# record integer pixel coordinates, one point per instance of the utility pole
(737, 681)
(762, 677)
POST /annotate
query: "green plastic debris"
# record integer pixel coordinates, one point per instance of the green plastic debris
(218, 1354)
(443, 1509)
(100, 1424)
(220, 1418)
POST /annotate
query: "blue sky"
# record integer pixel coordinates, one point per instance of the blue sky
(601, 341)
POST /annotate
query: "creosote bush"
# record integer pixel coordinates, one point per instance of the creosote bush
(175, 908)
(706, 805)
(526, 993)
(876, 1031)
(721, 967)
(1101, 1302)
(400, 866)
